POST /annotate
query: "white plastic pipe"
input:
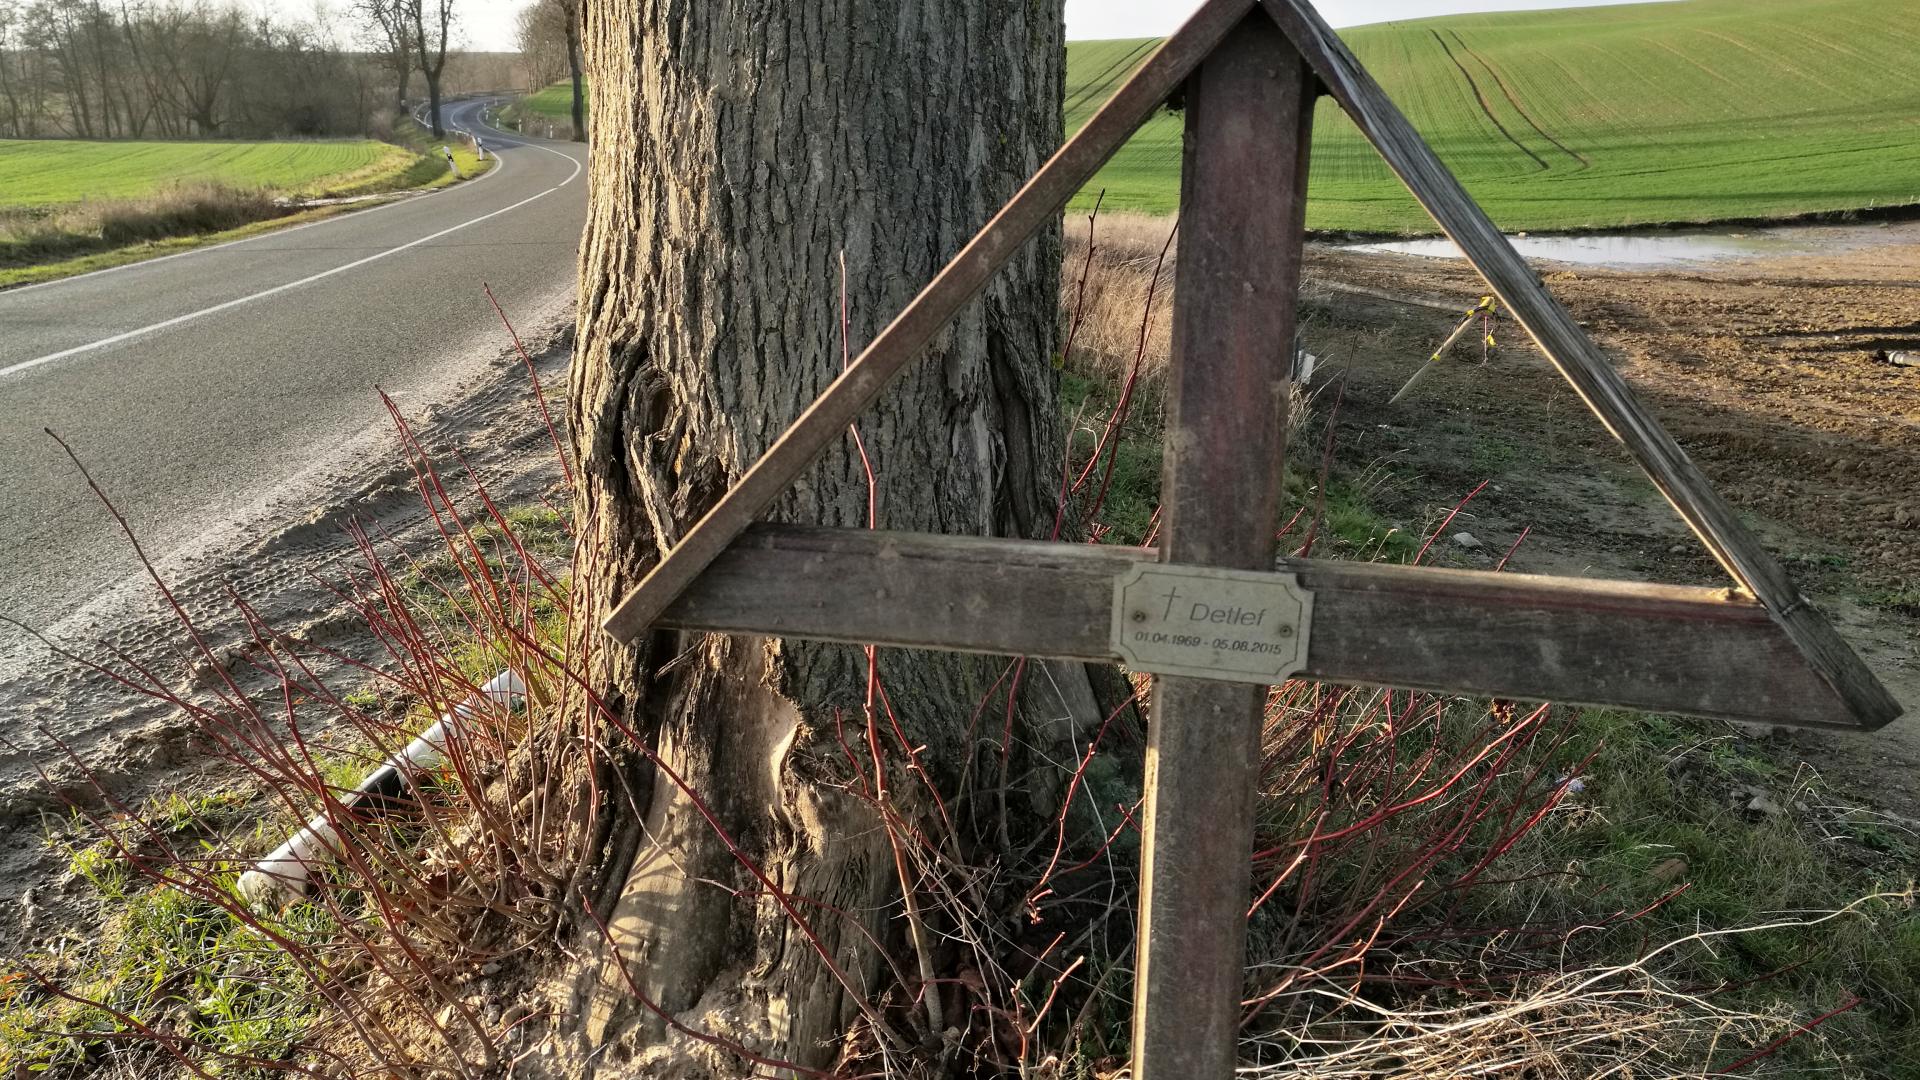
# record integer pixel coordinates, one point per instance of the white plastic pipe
(285, 872)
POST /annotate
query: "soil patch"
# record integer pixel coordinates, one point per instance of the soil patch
(1773, 375)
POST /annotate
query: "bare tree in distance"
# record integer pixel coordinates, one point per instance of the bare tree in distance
(540, 31)
(23, 73)
(430, 23)
(200, 65)
(745, 148)
(386, 30)
(576, 17)
(549, 38)
(91, 69)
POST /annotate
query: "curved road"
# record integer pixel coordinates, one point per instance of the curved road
(196, 384)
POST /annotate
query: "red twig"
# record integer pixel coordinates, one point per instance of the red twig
(1448, 520)
(566, 470)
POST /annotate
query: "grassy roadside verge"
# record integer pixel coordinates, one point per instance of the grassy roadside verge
(105, 260)
(150, 952)
(1716, 847)
(429, 170)
(183, 219)
(553, 104)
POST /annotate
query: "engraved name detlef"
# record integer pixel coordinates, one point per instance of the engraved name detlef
(1234, 625)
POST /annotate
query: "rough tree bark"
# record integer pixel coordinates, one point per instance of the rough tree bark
(740, 147)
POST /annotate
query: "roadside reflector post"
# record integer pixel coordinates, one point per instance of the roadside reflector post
(1249, 119)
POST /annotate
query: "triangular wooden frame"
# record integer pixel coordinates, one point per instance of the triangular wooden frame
(1758, 652)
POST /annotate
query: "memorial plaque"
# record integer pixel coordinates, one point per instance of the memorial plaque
(1232, 625)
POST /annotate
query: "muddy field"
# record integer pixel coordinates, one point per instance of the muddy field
(1772, 374)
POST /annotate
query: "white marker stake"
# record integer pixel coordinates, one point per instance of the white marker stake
(286, 870)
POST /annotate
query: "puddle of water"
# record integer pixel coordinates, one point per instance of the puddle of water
(1671, 248)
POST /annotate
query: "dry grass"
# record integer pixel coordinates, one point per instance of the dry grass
(182, 210)
(1107, 285)
(1587, 1025)
(1117, 292)
(1633, 1019)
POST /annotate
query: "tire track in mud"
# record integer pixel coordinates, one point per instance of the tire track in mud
(1487, 106)
(1514, 100)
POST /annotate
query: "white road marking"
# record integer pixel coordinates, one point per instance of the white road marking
(276, 290)
(499, 166)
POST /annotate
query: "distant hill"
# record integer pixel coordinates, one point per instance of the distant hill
(1594, 117)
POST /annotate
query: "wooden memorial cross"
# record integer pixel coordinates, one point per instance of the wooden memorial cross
(1209, 614)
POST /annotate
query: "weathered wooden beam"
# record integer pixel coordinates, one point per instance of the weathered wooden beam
(902, 341)
(1243, 209)
(1580, 361)
(1667, 648)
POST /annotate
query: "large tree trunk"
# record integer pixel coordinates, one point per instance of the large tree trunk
(740, 147)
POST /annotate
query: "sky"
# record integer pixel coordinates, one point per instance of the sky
(488, 24)
(485, 25)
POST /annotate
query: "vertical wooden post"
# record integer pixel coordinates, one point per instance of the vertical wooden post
(1249, 112)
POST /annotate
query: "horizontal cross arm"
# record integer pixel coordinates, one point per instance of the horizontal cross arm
(1702, 652)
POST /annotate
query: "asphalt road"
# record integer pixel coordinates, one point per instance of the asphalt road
(198, 384)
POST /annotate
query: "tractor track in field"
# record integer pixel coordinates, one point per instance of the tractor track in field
(1514, 100)
(1486, 106)
(1102, 85)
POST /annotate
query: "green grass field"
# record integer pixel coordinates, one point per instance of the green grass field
(69, 206)
(553, 103)
(1584, 118)
(1597, 117)
(54, 172)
